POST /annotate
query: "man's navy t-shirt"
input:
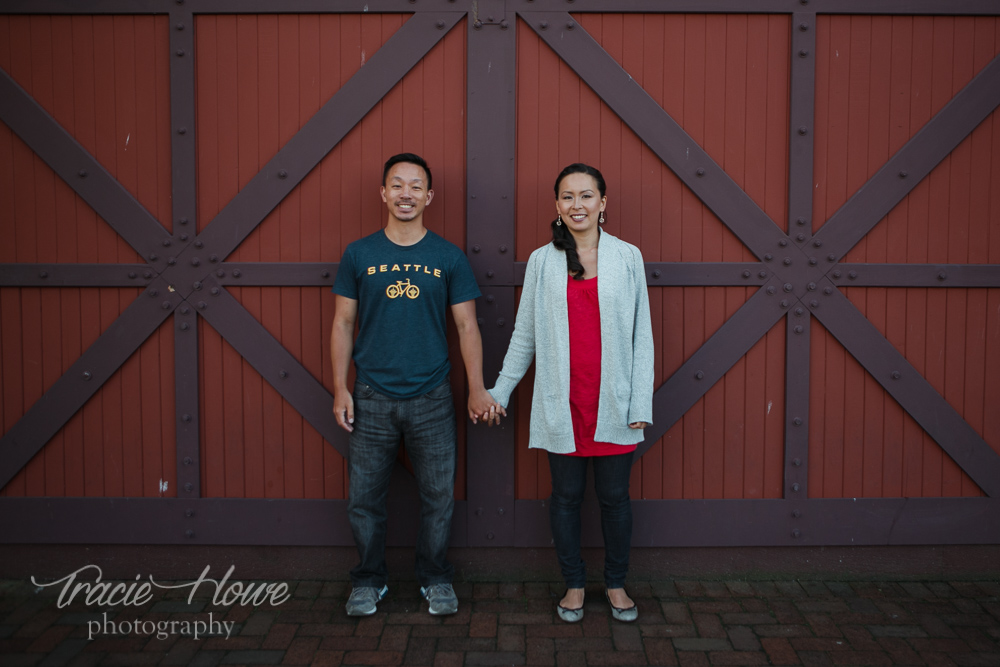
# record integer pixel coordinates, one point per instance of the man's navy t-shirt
(403, 294)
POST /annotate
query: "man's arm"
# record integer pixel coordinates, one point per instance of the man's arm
(471, 344)
(341, 348)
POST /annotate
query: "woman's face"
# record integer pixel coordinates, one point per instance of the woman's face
(579, 202)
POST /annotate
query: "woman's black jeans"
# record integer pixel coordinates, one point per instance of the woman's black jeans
(611, 482)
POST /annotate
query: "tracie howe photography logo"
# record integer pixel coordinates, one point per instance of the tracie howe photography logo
(85, 586)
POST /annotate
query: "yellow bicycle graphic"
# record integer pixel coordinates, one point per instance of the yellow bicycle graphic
(401, 288)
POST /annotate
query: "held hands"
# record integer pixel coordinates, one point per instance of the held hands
(638, 425)
(482, 406)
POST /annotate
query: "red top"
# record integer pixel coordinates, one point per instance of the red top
(585, 368)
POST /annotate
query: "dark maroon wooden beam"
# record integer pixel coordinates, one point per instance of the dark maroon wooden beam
(75, 275)
(713, 359)
(657, 129)
(324, 131)
(82, 172)
(902, 381)
(916, 275)
(277, 273)
(87, 374)
(797, 373)
(904, 170)
(274, 363)
(186, 399)
(183, 160)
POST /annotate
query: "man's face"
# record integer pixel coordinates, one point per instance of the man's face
(405, 192)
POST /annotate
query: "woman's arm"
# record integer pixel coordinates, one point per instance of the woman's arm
(521, 350)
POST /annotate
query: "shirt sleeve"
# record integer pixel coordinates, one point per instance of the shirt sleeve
(346, 283)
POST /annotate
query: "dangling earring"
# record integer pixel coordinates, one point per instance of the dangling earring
(559, 220)
(600, 220)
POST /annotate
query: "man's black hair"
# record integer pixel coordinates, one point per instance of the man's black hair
(411, 158)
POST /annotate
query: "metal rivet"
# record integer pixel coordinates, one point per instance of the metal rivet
(153, 293)
(131, 274)
(853, 275)
(189, 533)
(87, 375)
(771, 289)
(896, 375)
(803, 27)
(185, 310)
(656, 274)
(202, 305)
(814, 303)
(802, 54)
(504, 25)
(503, 248)
(189, 513)
(798, 329)
(787, 287)
(700, 375)
(221, 273)
(195, 261)
(783, 242)
(768, 257)
(186, 418)
(197, 284)
(199, 244)
(82, 173)
(942, 276)
(544, 25)
(183, 221)
(165, 305)
(796, 462)
(746, 273)
(796, 533)
(700, 171)
(478, 24)
(489, 274)
(797, 421)
(787, 261)
(837, 274)
(811, 287)
(180, 53)
(236, 273)
(215, 291)
(784, 303)
(179, 26)
(904, 174)
(153, 257)
(803, 130)
(188, 460)
(185, 326)
(147, 274)
(282, 173)
(796, 514)
(324, 274)
(490, 298)
(283, 374)
(500, 511)
(43, 274)
(818, 243)
(762, 274)
(182, 130)
(800, 222)
(831, 257)
(798, 311)
(171, 261)
(476, 248)
(185, 237)
(813, 261)
(489, 536)
(828, 290)
(570, 25)
(796, 487)
(501, 322)
(440, 25)
(213, 258)
(800, 238)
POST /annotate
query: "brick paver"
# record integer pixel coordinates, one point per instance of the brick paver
(698, 623)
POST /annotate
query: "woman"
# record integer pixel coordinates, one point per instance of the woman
(584, 317)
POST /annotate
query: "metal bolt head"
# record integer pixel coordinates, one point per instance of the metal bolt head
(503, 248)
(942, 276)
(213, 258)
(837, 274)
(771, 289)
(189, 513)
(814, 303)
(501, 322)
(796, 462)
(784, 303)
(700, 375)
(188, 460)
(179, 26)
(700, 171)
(282, 173)
(768, 257)
(762, 274)
(171, 261)
(796, 533)
(153, 293)
(185, 310)
(283, 374)
(185, 326)
(799, 311)
(131, 274)
(476, 248)
(853, 275)
(796, 514)
(184, 237)
(87, 375)
(803, 130)
(800, 237)
(195, 261)
(440, 25)
(800, 222)
(186, 418)
(215, 291)
(197, 284)
(787, 261)
(199, 244)
(478, 25)
(828, 291)
(813, 261)
(802, 54)
(796, 487)
(43, 274)
(202, 305)
(165, 305)
(811, 287)
(797, 421)
(490, 298)
(544, 25)
(489, 274)
(799, 329)
(82, 173)
(656, 273)
(803, 27)
(746, 273)
(236, 273)
(904, 174)
(570, 25)
(896, 375)
(818, 243)
(783, 243)
(788, 287)
(189, 533)
(221, 273)
(831, 257)
(153, 257)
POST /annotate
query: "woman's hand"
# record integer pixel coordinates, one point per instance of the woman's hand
(638, 425)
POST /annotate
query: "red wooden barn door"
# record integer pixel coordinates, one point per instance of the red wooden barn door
(812, 185)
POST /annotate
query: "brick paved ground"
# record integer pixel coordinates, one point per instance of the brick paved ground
(740, 622)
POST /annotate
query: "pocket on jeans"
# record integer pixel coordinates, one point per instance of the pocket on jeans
(362, 390)
(440, 392)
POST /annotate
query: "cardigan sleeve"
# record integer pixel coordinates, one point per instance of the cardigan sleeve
(521, 350)
(641, 405)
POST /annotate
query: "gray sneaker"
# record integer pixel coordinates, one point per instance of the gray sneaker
(441, 598)
(363, 600)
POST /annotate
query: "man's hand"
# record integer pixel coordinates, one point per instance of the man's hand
(343, 410)
(482, 406)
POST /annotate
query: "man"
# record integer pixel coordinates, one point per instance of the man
(397, 285)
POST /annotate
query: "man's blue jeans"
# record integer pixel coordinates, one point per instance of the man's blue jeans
(611, 482)
(427, 425)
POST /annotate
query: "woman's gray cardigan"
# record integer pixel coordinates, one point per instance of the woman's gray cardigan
(541, 330)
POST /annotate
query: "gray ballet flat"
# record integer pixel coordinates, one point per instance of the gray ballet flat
(569, 615)
(626, 615)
